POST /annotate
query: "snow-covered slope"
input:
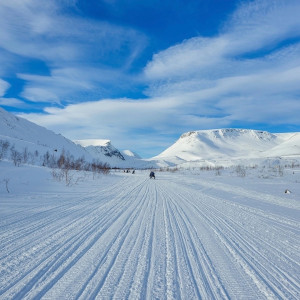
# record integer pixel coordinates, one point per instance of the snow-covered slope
(290, 145)
(227, 144)
(104, 151)
(22, 134)
(131, 154)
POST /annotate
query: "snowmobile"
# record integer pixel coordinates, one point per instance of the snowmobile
(152, 175)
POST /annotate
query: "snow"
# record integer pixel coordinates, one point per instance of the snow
(92, 142)
(22, 134)
(131, 153)
(227, 145)
(220, 221)
(104, 151)
(190, 234)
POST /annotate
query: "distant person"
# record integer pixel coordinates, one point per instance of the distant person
(133, 171)
(152, 175)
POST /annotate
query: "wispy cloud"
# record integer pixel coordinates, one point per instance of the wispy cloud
(41, 30)
(140, 121)
(78, 52)
(249, 40)
(250, 71)
(12, 102)
(4, 85)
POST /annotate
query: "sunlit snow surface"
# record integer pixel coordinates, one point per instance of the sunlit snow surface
(185, 235)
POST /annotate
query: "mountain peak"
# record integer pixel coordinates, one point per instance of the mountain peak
(222, 144)
(224, 131)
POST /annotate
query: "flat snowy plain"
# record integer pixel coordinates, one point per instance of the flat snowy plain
(184, 235)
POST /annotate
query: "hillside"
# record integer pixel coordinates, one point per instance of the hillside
(22, 134)
(231, 144)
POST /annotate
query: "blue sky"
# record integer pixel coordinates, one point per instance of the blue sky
(141, 73)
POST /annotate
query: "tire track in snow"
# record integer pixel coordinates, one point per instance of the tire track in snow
(199, 271)
(56, 235)
(173, 290)
(117, 210)
(50, 263)
(113, 240)
(118, 259)
(275, 276)
(235, 240)
(142, 239)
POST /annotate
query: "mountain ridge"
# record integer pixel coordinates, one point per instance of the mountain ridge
(213, 147)
(229, 143)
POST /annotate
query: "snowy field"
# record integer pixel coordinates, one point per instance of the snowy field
(185, 235)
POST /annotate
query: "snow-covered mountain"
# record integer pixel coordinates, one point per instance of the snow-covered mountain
(21, 134)
(230, 144)
(212, 147)
(104, 151)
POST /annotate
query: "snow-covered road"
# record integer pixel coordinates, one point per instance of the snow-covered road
(176, 237)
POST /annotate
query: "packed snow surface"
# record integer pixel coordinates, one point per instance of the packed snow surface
(124, 236)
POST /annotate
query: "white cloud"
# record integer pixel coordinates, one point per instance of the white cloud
(249, 72)
(4, 85)
(12, 102)
(70, 83)
(41, 30)
(186, 59)
(39, 95)
(261, 23)
(115, 119)
(77, 52)
(255, 28)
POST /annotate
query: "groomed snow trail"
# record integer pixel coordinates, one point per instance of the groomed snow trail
(169, 238)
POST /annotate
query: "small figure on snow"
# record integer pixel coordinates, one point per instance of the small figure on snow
(152, 175)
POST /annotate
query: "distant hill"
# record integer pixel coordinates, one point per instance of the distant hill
(230, 144)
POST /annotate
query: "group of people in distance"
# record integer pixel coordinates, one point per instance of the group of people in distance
(151, 175)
